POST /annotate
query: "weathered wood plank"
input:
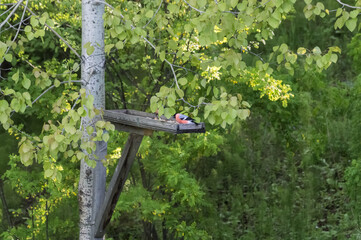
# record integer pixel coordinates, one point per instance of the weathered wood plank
(116, 184)
(131, 129)
(145, 121)
(150, 121)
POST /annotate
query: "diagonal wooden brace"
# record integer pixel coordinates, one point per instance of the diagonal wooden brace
(116, 184)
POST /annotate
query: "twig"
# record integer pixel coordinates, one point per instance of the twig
(10, 14)
(60, 37)
(264, 4)
(347, 5)
(13, 26)
(52, 86)
(200, 11)
(24, 133)
(187, 70)
(7, 10)
(18, 30)
(169, 63)
(193, 106)
(152, 45)
(106, 4)
(257, 55)
(161, 1)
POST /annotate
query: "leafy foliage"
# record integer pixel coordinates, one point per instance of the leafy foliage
(261, 171)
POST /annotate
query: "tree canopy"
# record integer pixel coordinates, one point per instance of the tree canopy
(279, 97)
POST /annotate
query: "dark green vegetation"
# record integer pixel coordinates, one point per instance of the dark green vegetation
(284, 173)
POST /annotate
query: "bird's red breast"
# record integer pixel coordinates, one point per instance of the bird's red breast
(182, 119)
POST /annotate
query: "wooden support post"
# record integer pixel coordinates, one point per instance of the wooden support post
(116, 184)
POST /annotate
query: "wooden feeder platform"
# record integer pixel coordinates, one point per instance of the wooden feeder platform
(144, 123)
(138, 124)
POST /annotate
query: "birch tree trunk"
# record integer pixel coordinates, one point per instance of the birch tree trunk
(92, 180)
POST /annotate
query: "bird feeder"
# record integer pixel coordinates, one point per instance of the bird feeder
(138, 124)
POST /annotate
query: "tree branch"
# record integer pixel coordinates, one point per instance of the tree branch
(347, 5)
(200, 11)
(152, 45)
(12, 6)
(57, 34)
(18, 30)
(52, 86)
(161, 1)
(12, 13)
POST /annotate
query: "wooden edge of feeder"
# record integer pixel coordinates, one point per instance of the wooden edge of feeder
(131, 129)
(191, 128)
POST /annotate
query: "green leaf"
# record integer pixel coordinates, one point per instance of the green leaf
(354, 13)
(334, 58)
(316, 51)
(26, 153)
(201, 3)
(338, 12)
(27, 29)
(15, 77)
(301, 51)
(233, 101)
(119, 45)
(169, 112)
(233, 3)
(172, 44)
(280, 58)
(3, 105)
(50, 22)
(153, 103)
(179, 92)
(3, 48)
(108, 47)
(173, 8)
(351, 24)
(26, 82)
(54, 145)
(283, 48)
(48, 173)
(81, 111)
(40, 33)
(42, 20)
(70, 129)
(59, 138)
(182, 81)
(56, 83)
(80, 155)
(162, 55)
(27, 96)
(75, 67)
(149, 14)
(89, 102)
(3, 117)
(243, 113)
(273, 22)
(171, 100)
(90, 50)
(211, 119)
(222, 6)
(105, 137)
(8, 57)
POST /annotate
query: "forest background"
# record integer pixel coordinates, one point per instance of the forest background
(285, 165)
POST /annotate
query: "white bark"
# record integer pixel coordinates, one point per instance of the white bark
(92, 180)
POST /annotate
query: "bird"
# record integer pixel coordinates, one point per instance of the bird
(183, 119)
